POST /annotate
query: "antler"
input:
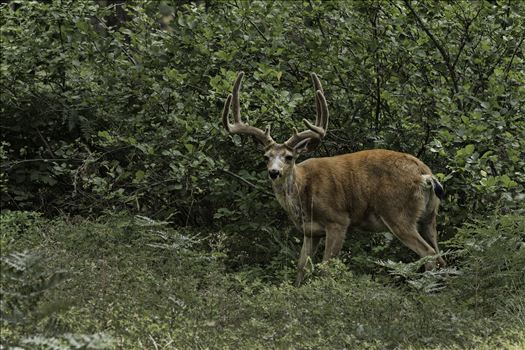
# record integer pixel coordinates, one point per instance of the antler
(316, 131)
(238, 127)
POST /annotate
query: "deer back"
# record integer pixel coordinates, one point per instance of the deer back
(360, 185)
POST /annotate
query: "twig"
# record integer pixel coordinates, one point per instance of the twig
(257, 29)
(507, 69)
(425, 142)
(45, 160)
(246, 182)
(154, 342)
(12, 200)
(143, 188)
(374, 22)
(189, 210)
(437, 44)
(323, 34)
(119, 44)
(48, 148)
(464, 38)
(204, 91)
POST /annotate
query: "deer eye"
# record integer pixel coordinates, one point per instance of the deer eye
(266, 158)
(288, 158)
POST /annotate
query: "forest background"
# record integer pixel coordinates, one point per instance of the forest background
(131, 219)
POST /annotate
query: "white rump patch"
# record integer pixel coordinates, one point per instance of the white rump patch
(427, 181)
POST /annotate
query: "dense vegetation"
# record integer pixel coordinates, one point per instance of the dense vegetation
(130, 219)
(139, 284)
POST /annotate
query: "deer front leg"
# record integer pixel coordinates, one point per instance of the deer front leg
(307, 251)
(335, 236)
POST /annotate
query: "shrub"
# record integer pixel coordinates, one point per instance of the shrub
(117, 107)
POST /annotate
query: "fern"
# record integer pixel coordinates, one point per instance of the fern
(24, 282)
(70, 341)
(426, 282)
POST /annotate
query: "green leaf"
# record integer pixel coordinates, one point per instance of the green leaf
(139, 175)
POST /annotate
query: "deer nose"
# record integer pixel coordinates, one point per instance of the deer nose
(274, 173)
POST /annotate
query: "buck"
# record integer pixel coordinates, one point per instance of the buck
(373, 190)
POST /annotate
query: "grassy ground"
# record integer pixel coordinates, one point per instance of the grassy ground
(135, 284)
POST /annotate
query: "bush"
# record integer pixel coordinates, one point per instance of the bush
(492, 261)
(117, 107)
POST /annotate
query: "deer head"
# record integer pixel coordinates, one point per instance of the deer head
(280, 157)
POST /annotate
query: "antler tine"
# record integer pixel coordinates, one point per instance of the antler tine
(317, 82)
(323, 110)
(315, 131)
(225, 112)
(238, 127)
(317, 87)
(236, 102)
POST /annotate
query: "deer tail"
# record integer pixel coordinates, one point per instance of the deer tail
(430, 181)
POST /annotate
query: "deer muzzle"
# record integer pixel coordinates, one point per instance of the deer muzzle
(274, 174)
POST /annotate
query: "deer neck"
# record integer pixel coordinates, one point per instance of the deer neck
(287, 191)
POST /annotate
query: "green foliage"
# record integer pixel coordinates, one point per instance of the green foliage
(118, 107)
(492, 261)
(27, 284)
(427, 282)
(113, 109)
(20, 227)
(69, 341)
(146, 285)
(23, 275)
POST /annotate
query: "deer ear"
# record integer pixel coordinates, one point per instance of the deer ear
(302, 146)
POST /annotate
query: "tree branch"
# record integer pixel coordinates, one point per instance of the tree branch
(251, 184)
(465, 37)
(9, 165)
(119, 44)
(48, 148)
(257, 29)
(441, 49)
(507, 69)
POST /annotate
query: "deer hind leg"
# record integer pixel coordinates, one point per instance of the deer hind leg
(427, 227)
(307, 251)
(408, 234)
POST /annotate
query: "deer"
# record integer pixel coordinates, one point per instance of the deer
(374, 190)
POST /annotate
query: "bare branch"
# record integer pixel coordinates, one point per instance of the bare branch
(48, 148)
(119, 44)
(251, 184)
(465, 37)
(509, 65)
(437, 44)
(9, 165)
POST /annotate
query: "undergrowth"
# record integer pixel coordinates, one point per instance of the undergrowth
(132, 283)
